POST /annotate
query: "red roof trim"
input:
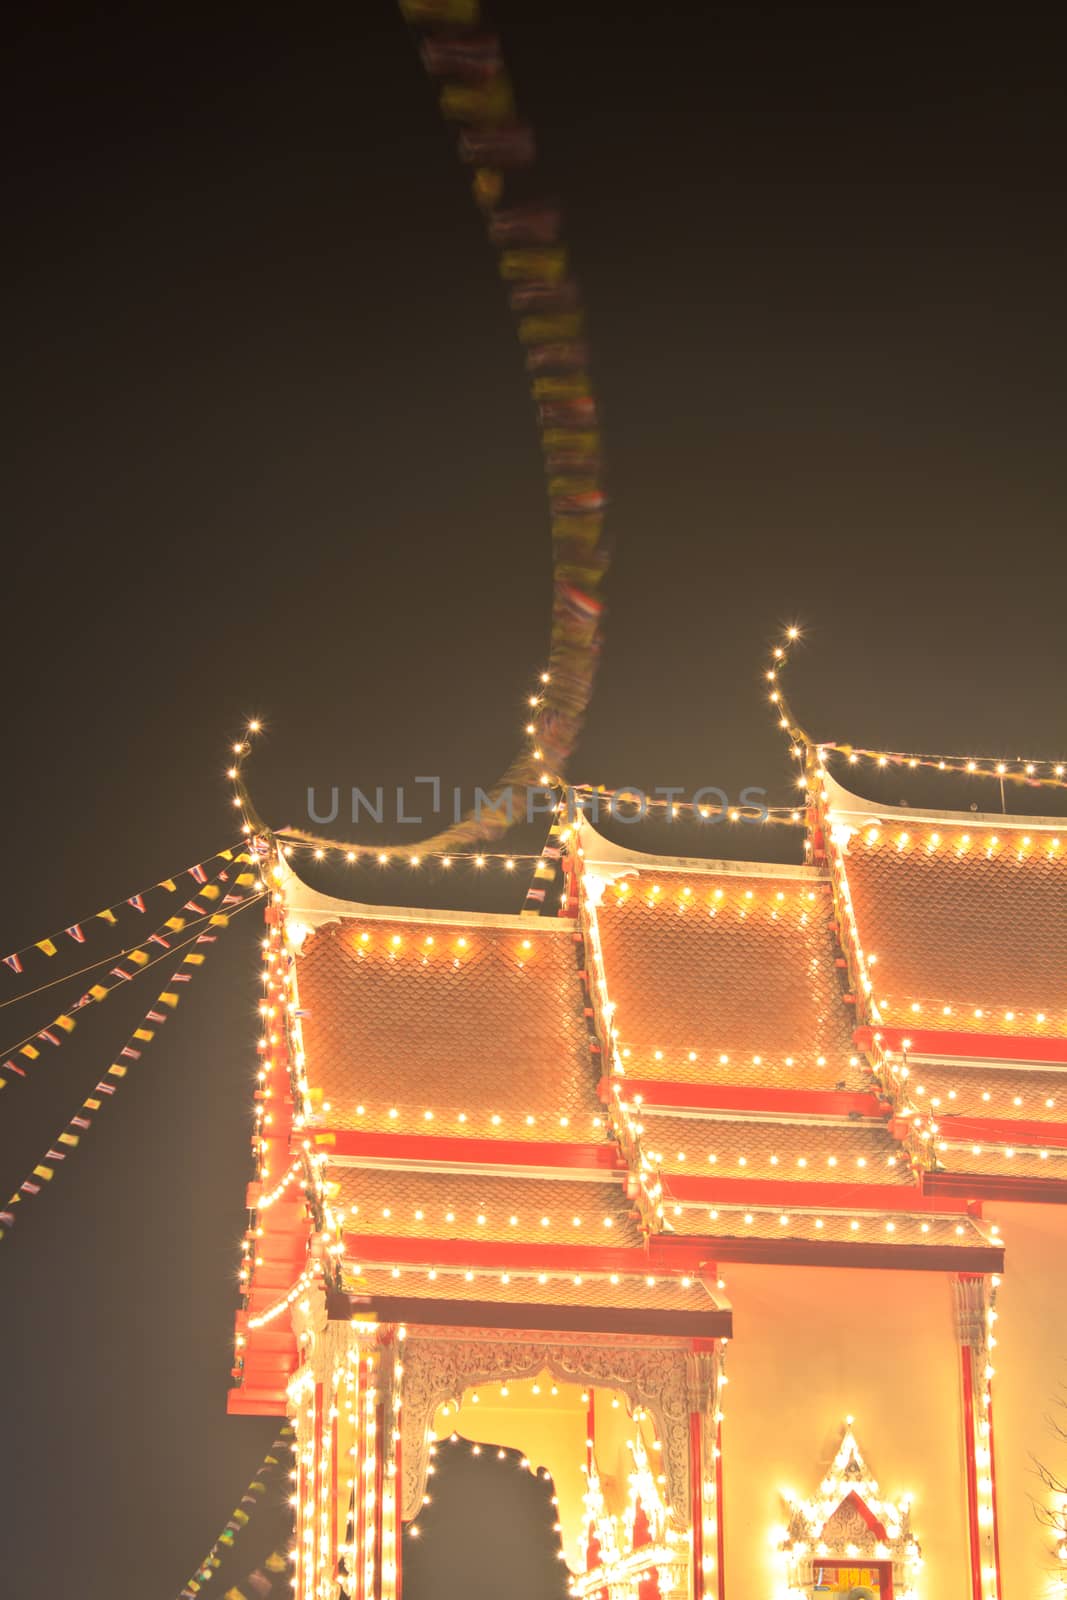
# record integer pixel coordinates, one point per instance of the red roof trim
(1021, 1049)
(736, 1097)
(488, 1255)
(840, 1253)
(865, 1513)
(808, 1196)
(709, 1324)
(985, 1186)
(443, 1150)
(1004, 1130)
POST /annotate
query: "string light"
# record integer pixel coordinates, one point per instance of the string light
(1043, 773)
(811, 1534)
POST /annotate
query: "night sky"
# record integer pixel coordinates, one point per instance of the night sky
(271, 452)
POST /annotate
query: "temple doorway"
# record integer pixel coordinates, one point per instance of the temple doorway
(489, 1529)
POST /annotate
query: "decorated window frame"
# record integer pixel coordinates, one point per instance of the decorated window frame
(848, 1540)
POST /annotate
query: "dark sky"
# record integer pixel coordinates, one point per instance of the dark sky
(271, 451)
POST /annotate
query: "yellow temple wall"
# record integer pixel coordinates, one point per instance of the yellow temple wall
(1031, 1364)
(810, 1347)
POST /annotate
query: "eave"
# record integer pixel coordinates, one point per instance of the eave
(832, 1253)
(989, 1186)
(545, 1317)
(931, 1046)
(809, 1104)
(784, 1192)
(445, 1153)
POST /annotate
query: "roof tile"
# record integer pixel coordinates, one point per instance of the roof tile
(978, 928)
(487, 1036)
(734, 982)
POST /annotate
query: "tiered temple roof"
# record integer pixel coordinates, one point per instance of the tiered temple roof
(566, 1121)
(960, 922)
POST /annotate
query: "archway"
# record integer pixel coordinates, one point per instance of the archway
(488, 1532)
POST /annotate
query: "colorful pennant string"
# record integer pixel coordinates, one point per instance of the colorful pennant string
(476, 94)
(260, 1583)
(78, 931)
(544, 873)
(270, 1471)
(158, 1013)
(132, 963)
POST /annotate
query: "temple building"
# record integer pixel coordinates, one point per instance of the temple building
(730, 1197)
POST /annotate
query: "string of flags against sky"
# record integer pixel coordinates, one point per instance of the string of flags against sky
(273, 1472)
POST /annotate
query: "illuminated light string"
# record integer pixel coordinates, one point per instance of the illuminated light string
(137, 958)
(481, 1218)
(722, 1058)
(307, 1280)
(800, 742)
(240, 1517)
(938, 844)
(476, 1449)
(280, 1036)
(524, 1275)
(424, 945)
(265, 1201)
(318, 848)
(804, 1542)
(413, 1113)
(1049, 772)
(477, 95)
(69, 1139)
(1038, 773)
(550, 329)
(859, 971)
(650, 1186)
(804, 1217)
(803, 902)
(940, 1010)
(77, 932)
(893, 1074)
(593, 796)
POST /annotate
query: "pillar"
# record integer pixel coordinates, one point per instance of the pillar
(975, 1319)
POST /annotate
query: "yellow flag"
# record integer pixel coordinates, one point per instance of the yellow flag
(107, 916)
(66, 1023)
(47, 946)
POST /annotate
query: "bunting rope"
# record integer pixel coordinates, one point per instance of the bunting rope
(261, 1581)
(476, 95)
(132, 1050)
(138, 958)
(77, 932)
(239, 1519)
